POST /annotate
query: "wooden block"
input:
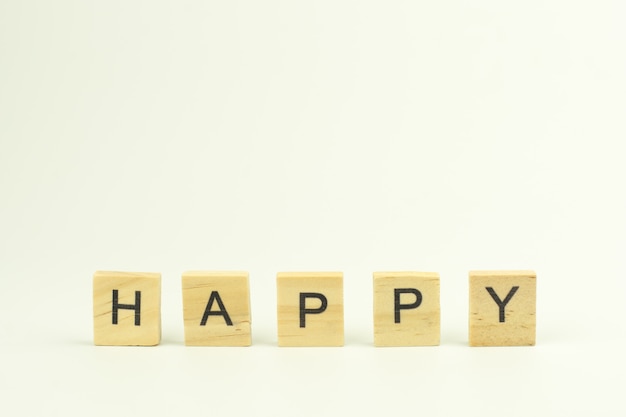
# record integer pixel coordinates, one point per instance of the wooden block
(216, 308)
(502, 308)
(126, 308)
(310, 308)
(406, 309)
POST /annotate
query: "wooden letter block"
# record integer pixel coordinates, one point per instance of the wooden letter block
(126, 308)
(310, 308)
(502, 308)
(406, 309)
(216, 308)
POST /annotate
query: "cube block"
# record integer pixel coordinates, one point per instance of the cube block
(406, 309)
(127, 308)
(310, 308)
(502, 308)
(216, 308)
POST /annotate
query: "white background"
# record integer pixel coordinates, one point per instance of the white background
(355, 136)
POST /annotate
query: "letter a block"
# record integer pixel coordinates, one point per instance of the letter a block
(126, 308)
(502, 308)
(216, 308)
(406, 309)
(310, 308)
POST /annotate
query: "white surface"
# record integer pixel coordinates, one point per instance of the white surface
(327, 135)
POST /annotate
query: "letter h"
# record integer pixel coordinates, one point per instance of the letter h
(136, 307)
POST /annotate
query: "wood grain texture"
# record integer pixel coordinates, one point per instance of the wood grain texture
(418, 326)
(204, 291)
(320, 329)
(135, 327)
(502, 308)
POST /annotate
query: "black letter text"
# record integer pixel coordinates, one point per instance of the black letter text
(304, 311)
(215, 296)
(136, 307)
(501, 304)
(396, 301)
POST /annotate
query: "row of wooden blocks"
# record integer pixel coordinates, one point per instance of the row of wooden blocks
(216, 308)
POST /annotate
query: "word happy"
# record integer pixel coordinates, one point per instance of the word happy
(216, 308)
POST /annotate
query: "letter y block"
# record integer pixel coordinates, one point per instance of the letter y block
(502, 308)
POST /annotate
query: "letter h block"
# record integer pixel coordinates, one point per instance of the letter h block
(126, 308)
(216, 308)
(406, 309)
(502, 308)
(310, 308)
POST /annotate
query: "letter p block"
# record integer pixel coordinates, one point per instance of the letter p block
(310, 308)
(406, 309)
